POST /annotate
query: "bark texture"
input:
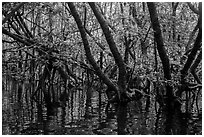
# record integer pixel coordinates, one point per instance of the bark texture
(159, 40)
(90, 58)
(112, 45)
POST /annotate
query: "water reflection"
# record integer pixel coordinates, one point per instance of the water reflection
(81, 114)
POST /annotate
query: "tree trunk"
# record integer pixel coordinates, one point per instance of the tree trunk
(194, 66)
(165, 63)
(159, 40)
(112, 45)
(89, 56)
(192, 55)
(161, 50)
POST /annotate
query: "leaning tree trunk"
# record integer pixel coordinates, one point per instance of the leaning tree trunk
(89, 56)
(161, 50)
(165, 62)
(159, 40)
(194, 50)
(112, 45)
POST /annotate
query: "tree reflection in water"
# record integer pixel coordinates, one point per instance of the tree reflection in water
(78, 116)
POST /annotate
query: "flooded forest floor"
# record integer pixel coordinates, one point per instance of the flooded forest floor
(84, 114)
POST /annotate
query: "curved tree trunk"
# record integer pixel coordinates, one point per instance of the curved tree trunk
(194, 51)
(161, 50)
(165, 63)
(112, 45)
(90, 58)
(159, 40)
(194, 66)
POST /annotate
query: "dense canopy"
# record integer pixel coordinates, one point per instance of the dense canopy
(124, 51)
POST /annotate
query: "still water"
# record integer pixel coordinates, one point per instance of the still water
(85, 116)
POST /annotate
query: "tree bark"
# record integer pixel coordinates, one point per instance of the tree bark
(90, 58)
(193, 53)
(165, 63)
(159, 40)
(112, 45)
(194, 66)
(174, 6)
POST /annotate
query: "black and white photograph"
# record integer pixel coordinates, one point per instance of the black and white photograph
(101, 68)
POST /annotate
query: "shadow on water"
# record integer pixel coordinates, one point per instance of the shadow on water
(81, 114)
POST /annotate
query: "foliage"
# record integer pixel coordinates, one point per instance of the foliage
(45, 35)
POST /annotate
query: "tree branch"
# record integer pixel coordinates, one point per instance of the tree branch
(90, 58)
(192, 55)
(12, 12)
(196, 11)
(159, 40)
(195, 65)
(112, 45)
(17, 37)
